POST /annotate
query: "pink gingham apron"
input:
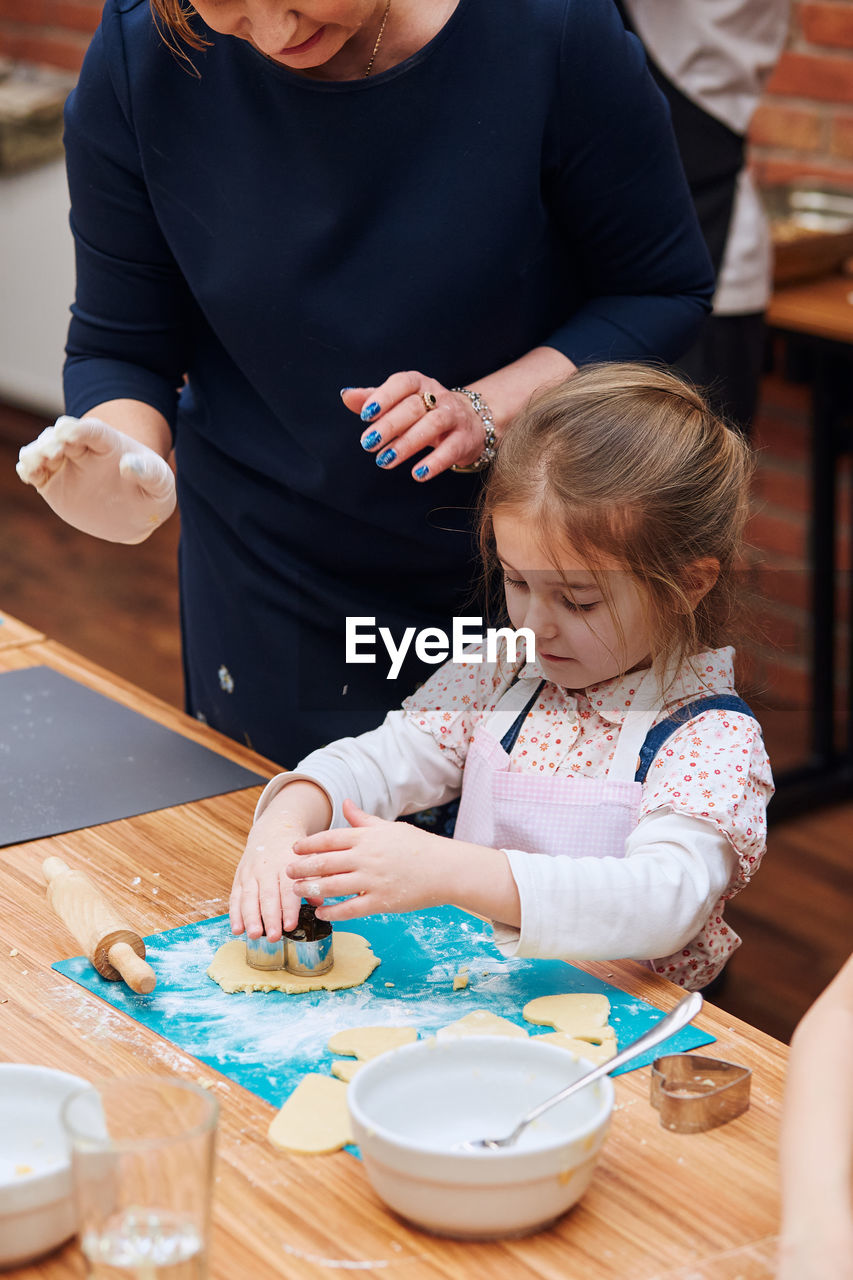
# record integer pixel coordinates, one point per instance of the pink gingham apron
(535, 813)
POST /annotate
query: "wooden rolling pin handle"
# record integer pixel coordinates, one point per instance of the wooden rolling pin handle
(136, 972)
(53, 867)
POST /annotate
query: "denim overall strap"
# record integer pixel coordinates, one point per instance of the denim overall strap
(509, 739)
(657, 736)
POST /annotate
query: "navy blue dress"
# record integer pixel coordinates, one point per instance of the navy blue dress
(259, 240)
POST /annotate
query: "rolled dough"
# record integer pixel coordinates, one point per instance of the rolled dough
(364, 1043)
(346, 1068)
(368, 1042)
(354, 963)
(589, 1049)
(480, 1023)
(314, 1120)
(582, 1015)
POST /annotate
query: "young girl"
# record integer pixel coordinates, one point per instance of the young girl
(613, 791)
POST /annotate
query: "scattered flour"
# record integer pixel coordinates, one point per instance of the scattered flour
(96, 1020)
(267, 1042)
(345, 1264)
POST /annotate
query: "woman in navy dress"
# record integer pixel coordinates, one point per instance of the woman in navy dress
(325, 252)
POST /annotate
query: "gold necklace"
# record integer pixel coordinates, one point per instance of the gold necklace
(378, 40)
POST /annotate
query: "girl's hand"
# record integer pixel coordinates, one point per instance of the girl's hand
(398, 425)
(263, 899)
(389, 866)
(99, 480)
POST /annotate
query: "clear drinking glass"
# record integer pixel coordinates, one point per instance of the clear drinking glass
(142, 1166)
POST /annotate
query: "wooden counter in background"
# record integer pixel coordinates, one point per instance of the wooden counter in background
(821, 308)
(662, 1206)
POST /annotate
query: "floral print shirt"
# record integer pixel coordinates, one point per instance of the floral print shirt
(713, 768)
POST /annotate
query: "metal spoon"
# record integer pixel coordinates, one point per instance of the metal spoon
(683, 1013)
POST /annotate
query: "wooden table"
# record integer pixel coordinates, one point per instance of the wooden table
(820, 308)
(817, 316)
(15, 634)
(662, 1206)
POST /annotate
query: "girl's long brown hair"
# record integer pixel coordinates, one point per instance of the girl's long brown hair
(627, 461)
(173, 19)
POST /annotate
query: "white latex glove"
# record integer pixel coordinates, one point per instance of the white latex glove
(99, 480)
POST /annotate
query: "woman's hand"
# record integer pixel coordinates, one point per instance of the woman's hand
(387, 866)
(398, 425)
(99, 480)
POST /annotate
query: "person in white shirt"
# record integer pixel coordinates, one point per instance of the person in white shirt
(613, 789)
(712, 60)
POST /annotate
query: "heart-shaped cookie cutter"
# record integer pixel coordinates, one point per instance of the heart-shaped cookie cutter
(693, 1093)
(307, 950)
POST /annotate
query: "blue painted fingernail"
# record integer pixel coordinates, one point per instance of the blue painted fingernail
(421, 472)
(371, 440)
(370, 411)
(344, 390)
(384, 458)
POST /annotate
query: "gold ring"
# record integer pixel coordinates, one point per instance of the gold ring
(429, 400)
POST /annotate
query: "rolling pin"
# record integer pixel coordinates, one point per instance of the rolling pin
(116, 951)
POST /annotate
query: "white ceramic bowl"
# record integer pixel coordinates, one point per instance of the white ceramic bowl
(411, 1107)
(36, 1201)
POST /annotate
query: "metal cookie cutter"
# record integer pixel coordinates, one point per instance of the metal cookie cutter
(693, 1093)
(307, 950)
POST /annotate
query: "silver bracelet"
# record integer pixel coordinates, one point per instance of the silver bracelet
(491, 445)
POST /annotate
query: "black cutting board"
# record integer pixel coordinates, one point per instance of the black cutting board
(73, 758)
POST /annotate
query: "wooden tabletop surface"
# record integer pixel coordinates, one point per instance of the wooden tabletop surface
(820, 307)
(662, 1206)
(14, 633)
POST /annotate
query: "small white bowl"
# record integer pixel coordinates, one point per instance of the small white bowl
(411, 1107)
(36, 1200)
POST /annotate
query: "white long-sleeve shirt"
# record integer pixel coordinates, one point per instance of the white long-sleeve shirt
(720, 54)
(699, 838)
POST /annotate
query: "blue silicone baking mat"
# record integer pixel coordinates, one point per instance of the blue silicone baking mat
(267, 1041)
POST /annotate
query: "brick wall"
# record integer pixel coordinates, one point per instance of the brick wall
(805, 123)
(780, 630)
(55, 32)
